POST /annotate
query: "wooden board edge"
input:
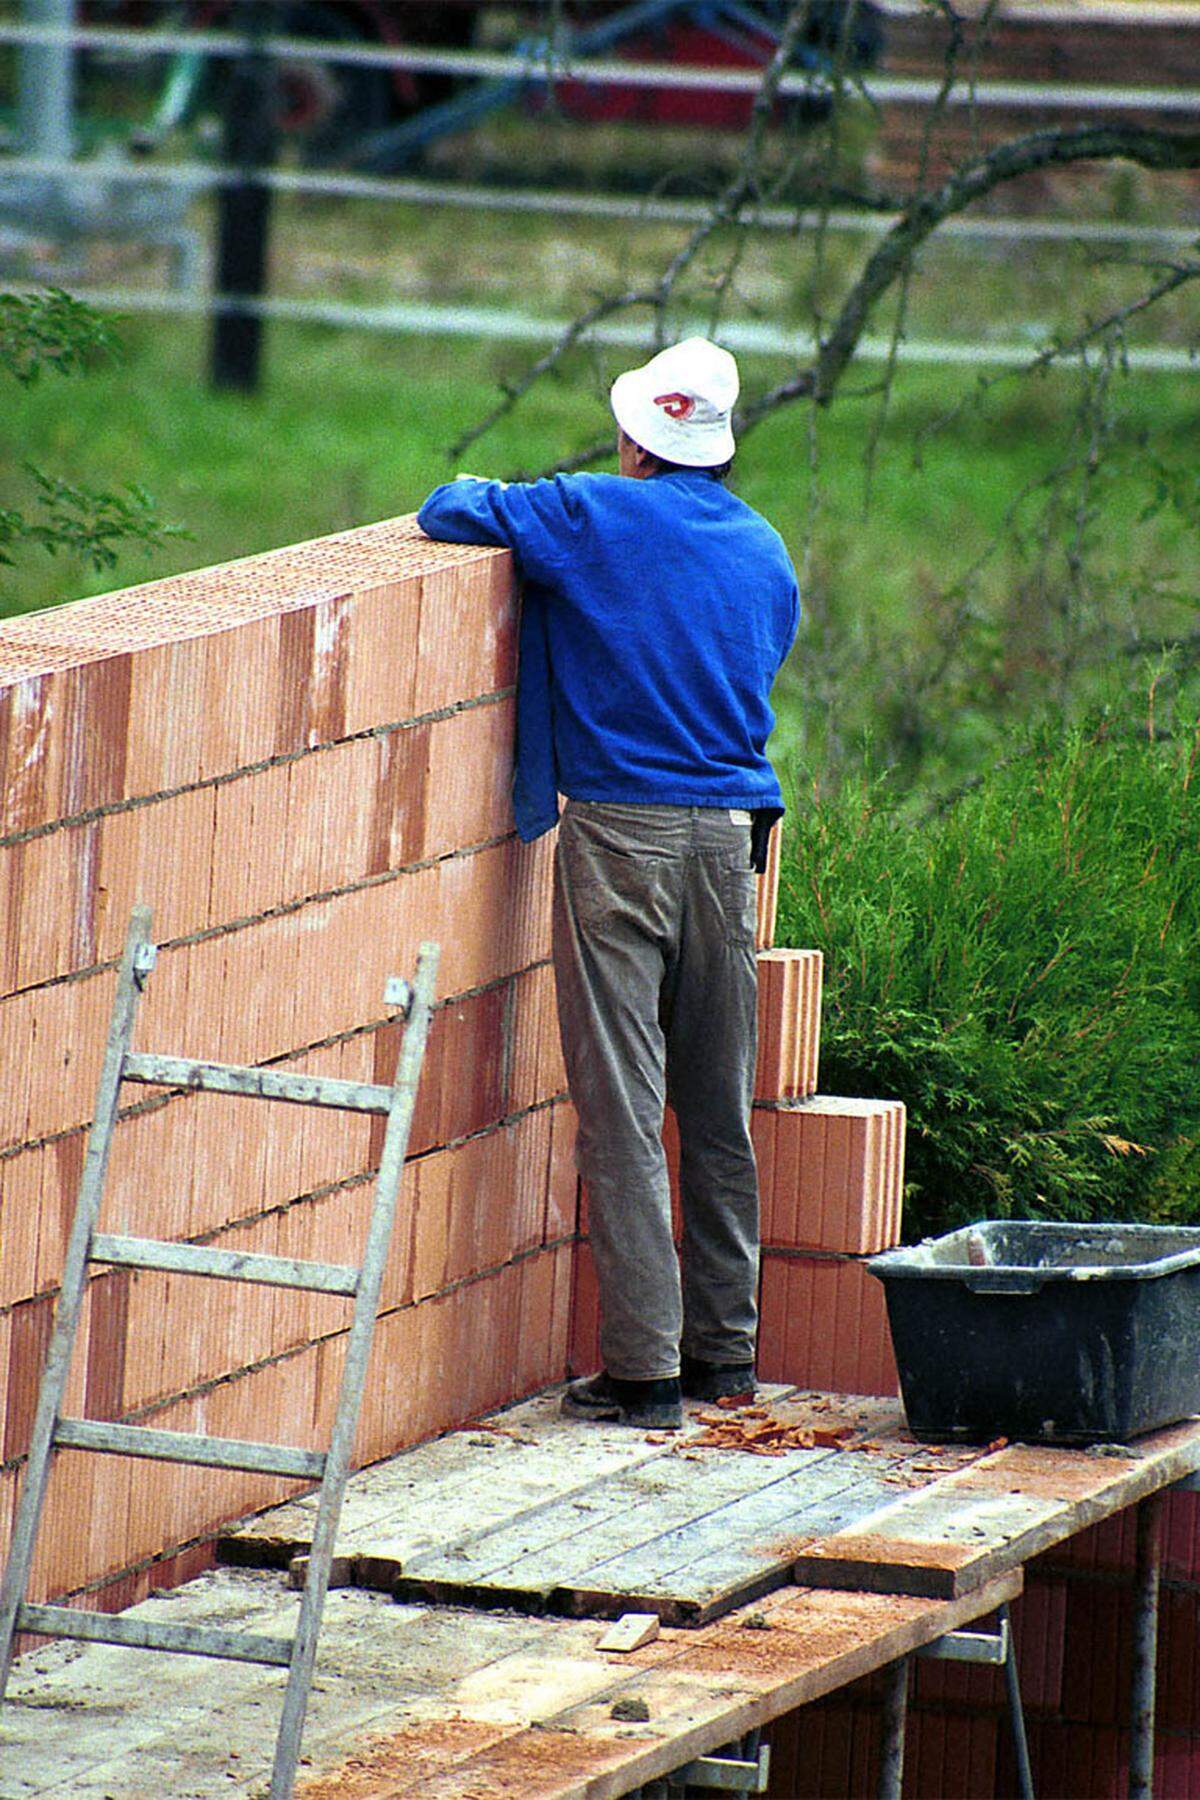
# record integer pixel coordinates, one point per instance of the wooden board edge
(744, 1709)
(1135, 1482)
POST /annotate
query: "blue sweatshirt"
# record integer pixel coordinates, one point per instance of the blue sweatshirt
(656, 614)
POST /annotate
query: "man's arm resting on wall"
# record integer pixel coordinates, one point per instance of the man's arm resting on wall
(465, 512)
(535, 519)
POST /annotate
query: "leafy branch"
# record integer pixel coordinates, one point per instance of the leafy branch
(90, 522)
(50, 330)
(53, 331)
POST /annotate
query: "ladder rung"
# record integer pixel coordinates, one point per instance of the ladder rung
(189, 1447)
(234, 1265)
(257, 1084)
(143, 1634)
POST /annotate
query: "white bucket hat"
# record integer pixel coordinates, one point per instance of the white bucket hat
(678, 405)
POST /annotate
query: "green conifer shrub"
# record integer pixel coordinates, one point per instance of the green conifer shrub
(1022, 969)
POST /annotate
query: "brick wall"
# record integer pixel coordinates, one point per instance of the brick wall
(301, 762)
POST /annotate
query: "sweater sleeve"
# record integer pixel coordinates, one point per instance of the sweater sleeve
(540, 521)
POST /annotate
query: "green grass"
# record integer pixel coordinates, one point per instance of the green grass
(352, 427)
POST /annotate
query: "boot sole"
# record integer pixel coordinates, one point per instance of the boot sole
(651, 1418)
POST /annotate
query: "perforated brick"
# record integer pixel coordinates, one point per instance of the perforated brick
(836, 1173)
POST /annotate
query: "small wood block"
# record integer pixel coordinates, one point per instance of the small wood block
(630, 1632)
(342, 1572)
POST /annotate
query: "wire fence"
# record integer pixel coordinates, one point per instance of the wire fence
(199, 178)
(745, 336)
(545, 63)
(185, 179)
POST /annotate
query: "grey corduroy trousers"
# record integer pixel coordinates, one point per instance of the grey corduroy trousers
(654, 961)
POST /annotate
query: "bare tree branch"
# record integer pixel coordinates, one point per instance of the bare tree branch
(740, 191)
(819, 381)
(1021, 156)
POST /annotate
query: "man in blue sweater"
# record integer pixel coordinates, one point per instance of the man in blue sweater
(657, 611)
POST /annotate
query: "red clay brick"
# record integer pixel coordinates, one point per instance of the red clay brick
(1178, 1664)
(533, 1339)
(1098, 1651)
(823, 1324)
(56, 1039)
(6, 1325)
(28, 1341)
(21, 1179)
(96, 704)
(469, 778)
(467, 638)
(1039, 1619)
(241, 675)
(399, 789)
(786, 1016)
(836, 1177)
(534, 1050)
(62, 1557)
(14, 883)
(47, 906)
(583, 1351)
(951, 1754)
(562, 1187)
(60, 1193)
(381, 665)
(166, 717)
(35, 742)
(478, 939)
(9, 1479)
(762, 1136)
(1177, 1765)
(161, 856)
(107, 1335)
(1181, 1535)
(1073, 1762)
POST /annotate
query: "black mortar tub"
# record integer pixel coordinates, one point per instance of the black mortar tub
(1052, 1334)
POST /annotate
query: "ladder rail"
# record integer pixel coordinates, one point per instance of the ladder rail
(358, 1350)
(86, 1245)
(136, 962)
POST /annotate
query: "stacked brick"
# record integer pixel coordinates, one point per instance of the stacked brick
(831, 1177)
(1073, 1628)
(301, 762)
(1055, 46)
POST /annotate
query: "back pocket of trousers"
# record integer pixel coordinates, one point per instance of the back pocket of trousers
(739, 902)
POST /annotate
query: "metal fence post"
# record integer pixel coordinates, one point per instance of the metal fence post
(244, 209)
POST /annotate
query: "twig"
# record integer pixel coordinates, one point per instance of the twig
(1021, 156)
(738, 192)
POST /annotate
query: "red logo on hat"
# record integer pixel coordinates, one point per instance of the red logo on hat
(678, 406)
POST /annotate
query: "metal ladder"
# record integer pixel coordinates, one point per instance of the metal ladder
(86, 1245)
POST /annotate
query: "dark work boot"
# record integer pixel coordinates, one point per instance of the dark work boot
(716, 1381)
(651, 1405)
